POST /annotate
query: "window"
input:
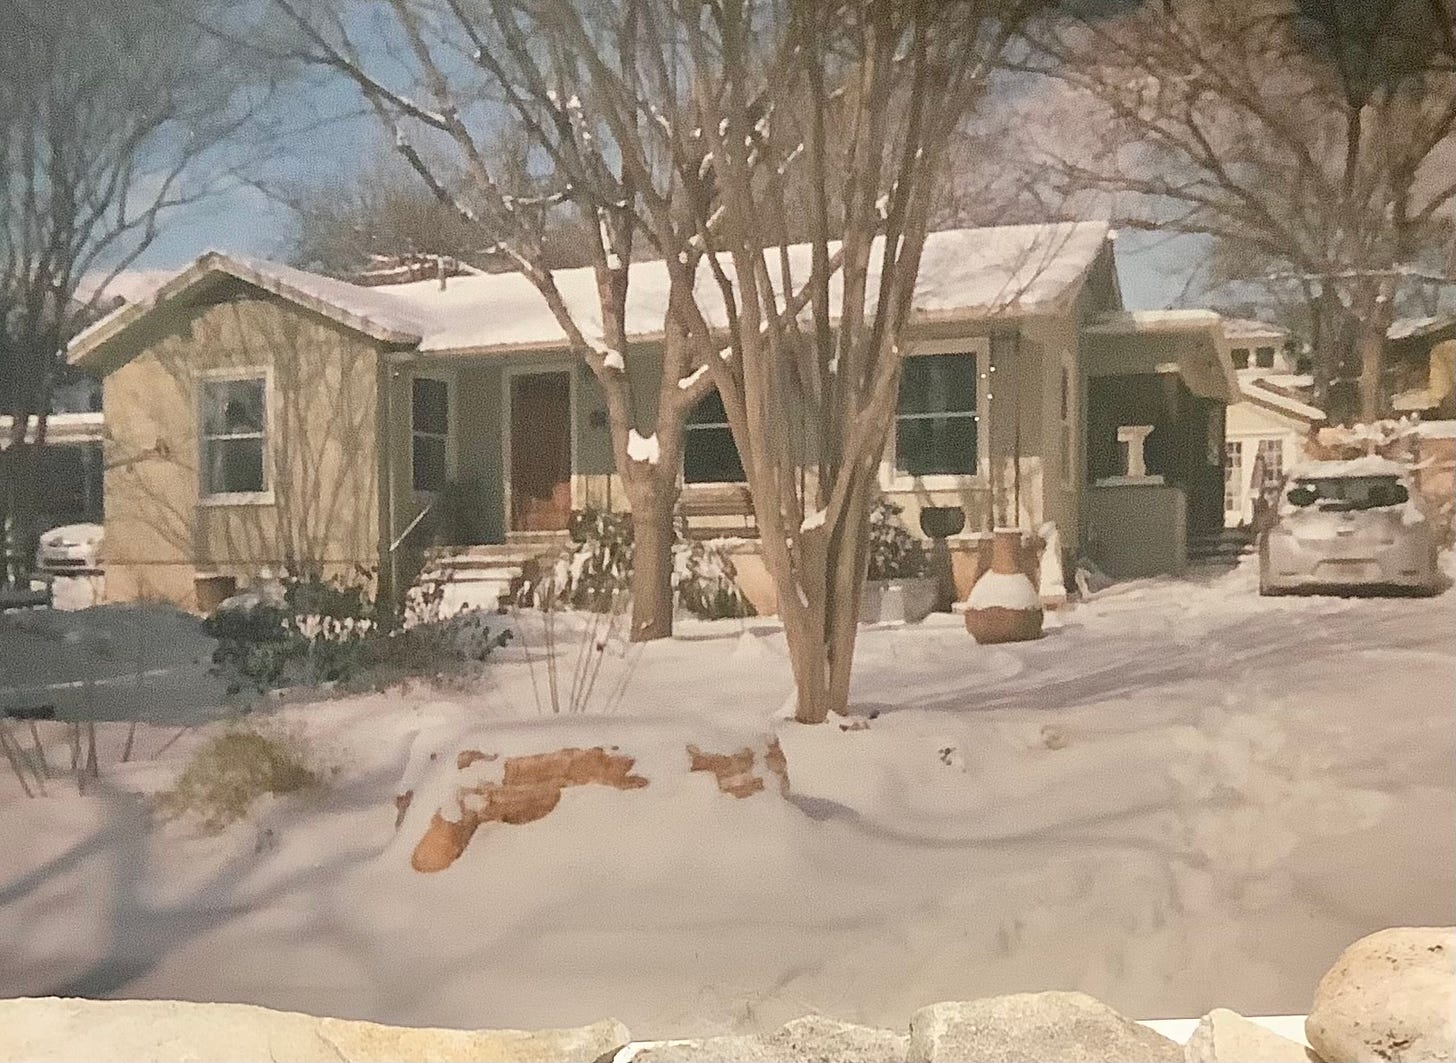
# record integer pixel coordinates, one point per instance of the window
(1067, 401)
(234, 436)
(1233, 471)
(429, 433)
(1269, 460)
(936, 424)
(1241, 357)
(709, 454)
(1264, 357)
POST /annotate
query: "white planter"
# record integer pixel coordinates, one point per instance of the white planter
(895, 600)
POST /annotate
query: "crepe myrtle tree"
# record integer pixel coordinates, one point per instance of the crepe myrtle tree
(712, 136)
(1312, 140)
(453, 73)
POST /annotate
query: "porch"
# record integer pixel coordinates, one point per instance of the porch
(1158, 386)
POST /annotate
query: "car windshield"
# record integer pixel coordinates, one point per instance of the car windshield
(1347, 492)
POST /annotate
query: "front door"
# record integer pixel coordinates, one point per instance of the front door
(540, 451)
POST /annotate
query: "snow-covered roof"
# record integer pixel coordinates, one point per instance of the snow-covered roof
(1203, 364)
(1245, 330)
(1270, 389)
(964, 274)
(1403, 328)
(1436, 429)
(1138, 322)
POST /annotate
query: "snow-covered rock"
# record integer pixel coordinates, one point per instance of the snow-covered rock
(811, 1038)
(54, 1028)
(1055, 1027)
(1390, 996)
(1224, 1036)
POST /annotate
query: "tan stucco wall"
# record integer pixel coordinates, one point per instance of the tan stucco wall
(322, 450)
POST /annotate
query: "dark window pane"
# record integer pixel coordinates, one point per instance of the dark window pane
(710, 456)
(233, 407)
(234, 466)
(929, 446)
(429, 463)
(1264, 357)
(938, 383)
(1240, 356)
(709, 410)
(431, 406)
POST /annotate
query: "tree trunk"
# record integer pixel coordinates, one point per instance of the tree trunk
(1370, 345)
(652, 540)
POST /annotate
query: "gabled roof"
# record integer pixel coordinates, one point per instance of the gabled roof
(965, 274)
(1280, 393)
(350, 305)
(1404, 328)
(1204, 365)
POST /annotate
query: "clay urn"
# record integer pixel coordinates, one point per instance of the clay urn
(1004, 605)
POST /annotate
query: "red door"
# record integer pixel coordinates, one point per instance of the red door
(540, 452)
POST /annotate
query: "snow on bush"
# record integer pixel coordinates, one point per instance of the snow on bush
(598, 571)
(894, 552)
(306, 632)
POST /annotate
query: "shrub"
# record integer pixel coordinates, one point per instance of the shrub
(315, 631)
(894, 552)
(598, 571)
(230, 772)
(704, 580)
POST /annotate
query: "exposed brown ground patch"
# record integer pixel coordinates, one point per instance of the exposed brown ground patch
(530, 789)
(734, 771)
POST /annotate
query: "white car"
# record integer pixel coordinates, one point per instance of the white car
(70, 549)
(1348, 526)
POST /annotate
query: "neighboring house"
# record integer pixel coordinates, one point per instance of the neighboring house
(1259, 345)
(69, 476)
(264, 418)
(1272, 421)
(1420, 367)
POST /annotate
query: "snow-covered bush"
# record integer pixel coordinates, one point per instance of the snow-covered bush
(230, 772)
(704, 579)
(597, 574)
(304, 632)
(894, 552)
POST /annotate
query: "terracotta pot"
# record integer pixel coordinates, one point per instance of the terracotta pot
(995, 618)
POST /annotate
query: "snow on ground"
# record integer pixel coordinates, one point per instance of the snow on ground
(1183, 797)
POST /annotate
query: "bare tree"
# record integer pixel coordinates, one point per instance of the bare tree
(345, 226)
(1313, 139)
(710, 136)
(109, 118)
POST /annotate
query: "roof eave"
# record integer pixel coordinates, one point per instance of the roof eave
(88, 348)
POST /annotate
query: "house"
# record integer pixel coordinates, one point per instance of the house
(69, 474)
(1275, 416)
(263, 418)
(1420, 367)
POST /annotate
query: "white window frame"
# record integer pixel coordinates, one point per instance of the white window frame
(444, 376)
(893, 478)
(201, 379)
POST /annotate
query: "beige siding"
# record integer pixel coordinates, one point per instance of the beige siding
(322, 450)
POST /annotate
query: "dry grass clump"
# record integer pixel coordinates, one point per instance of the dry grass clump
(232, 771)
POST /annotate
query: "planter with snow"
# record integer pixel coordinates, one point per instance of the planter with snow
(1004, 605)
(890, 600)
(899, 586)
